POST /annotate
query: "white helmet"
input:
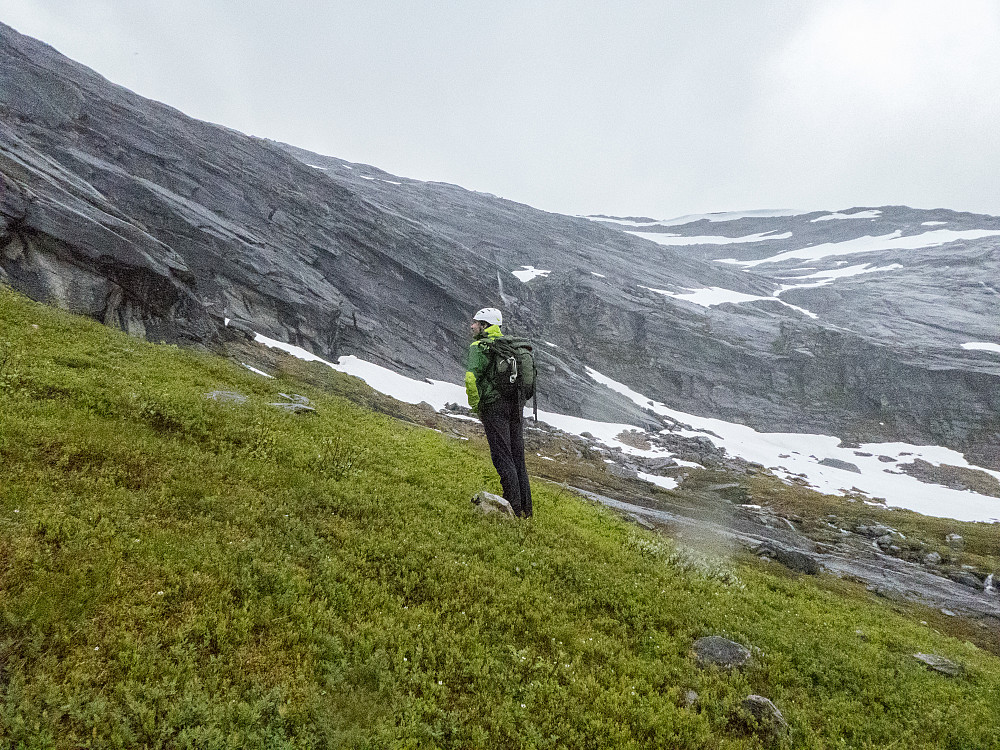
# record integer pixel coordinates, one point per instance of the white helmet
(490, 315)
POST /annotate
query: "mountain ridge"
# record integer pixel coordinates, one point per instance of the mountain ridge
(126, 210)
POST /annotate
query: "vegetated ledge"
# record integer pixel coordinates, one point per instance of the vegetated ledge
(181, 572)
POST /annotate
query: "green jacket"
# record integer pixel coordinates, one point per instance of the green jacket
(480, 392)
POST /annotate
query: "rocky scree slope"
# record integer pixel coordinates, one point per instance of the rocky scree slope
(126, 210)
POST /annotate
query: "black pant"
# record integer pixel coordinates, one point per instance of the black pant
(504, 427)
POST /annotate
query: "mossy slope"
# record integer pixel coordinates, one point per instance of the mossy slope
(178, 572)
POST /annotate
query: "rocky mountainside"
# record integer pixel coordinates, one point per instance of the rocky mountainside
(126, 210)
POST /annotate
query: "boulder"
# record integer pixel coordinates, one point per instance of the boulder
(932, 558)
(768, 718)
(489, 504)
(624, 472)
(659, 464)
(720, 652)
(955, 541)
(940, 664)
(836, 463)
(798, 561)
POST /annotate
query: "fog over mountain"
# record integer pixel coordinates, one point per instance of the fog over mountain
(871, 323)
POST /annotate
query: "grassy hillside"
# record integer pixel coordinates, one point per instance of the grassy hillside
(178, 572)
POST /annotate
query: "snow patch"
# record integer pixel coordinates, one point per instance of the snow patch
(981, 346)
(667, 483)
(255, 370)
(673, 239)
(869, 244)
(797, 455)
(527, 273)
(434, 392)
(872, 214)
(690, 218)
(840, 273)
(711, 296)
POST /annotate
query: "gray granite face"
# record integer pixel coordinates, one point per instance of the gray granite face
(124, 209)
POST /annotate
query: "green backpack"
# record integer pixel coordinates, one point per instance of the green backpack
(511, 369)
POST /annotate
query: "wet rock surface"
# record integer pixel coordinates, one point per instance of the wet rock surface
(854, 556)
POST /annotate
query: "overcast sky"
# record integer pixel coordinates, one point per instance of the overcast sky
(657, 108)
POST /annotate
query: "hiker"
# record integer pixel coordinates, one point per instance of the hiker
(502, 416)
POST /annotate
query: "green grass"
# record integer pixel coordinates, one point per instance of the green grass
(181, 573)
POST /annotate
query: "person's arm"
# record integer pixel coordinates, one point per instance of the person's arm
(475, 365)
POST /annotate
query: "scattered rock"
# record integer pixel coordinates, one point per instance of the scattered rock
(836, 463)
(488, 503)
(227, 397)
(296, 403)
(940, 664)
(659, 464)
(955, 541)
(766, 714)
(294, 408)
(721, 652)
(873, 531)
(932, 558)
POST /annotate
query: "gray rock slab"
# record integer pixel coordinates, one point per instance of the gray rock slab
(940, 664)
(714, 650)
(227, 397)
(836, 463)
